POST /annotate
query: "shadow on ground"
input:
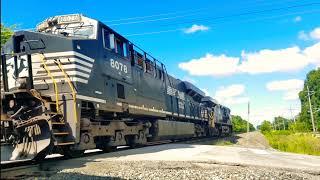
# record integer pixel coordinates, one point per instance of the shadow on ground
(227, 140)
(51, 167)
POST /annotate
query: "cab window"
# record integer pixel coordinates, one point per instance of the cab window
(110, 41)
(119, 47)
(139, 59)
(106, 39)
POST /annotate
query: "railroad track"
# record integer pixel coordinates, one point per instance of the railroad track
(25, 169)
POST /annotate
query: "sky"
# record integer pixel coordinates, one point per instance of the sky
(256, 51)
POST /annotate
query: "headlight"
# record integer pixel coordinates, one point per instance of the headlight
(11, 103)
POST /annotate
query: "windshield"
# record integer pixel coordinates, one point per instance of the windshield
(76, 30)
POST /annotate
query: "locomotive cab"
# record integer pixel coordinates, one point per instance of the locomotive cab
(29, 109)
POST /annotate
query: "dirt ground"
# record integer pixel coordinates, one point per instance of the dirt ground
(248, 140)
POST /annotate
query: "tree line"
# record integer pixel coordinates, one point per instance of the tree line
(301, 123)
(240, 125)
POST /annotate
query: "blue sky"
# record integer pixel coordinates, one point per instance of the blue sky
(237, 50)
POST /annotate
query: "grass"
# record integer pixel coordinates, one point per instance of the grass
(302, 143)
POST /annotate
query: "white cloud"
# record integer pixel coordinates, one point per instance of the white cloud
(285, 85)
(297, 19)
(230, 91)
(194, 28)
(291, 87)
(313, 53)
(211, 65)
(236, 100)
(259, 114)
(267, 61)
(232, 94)
(303, 36)
(315, 34)
(291, 95)
(290, 59)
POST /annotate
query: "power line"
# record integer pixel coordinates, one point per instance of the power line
(246, 13)
(153, 20)
(165, 14)
(245, 21)
(154, 15)
(154, 32)
(169, 18)
(206, 19)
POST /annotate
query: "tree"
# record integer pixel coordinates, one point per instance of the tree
(240, 125)
(298, 126)
(6, 33)
(265, 127)
(281, 123)
(313, 81)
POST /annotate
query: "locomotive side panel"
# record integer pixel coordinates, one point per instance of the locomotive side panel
(174, 130)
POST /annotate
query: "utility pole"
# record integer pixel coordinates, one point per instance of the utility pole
(310, 108)
(248, 117)
(248, 122)
(292, 117)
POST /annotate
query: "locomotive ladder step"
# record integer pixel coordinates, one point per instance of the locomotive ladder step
(61, 133)
(57, 123)
(54, 113)
(53, 102)
(65, 143)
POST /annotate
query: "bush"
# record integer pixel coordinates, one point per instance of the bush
(303, 143)
(299, 127)
(265, 127)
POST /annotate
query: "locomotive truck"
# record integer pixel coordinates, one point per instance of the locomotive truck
(75, 84)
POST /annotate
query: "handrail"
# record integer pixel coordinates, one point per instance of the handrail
(53, 80)
(71, 85)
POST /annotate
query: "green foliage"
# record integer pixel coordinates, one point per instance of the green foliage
(313, 81)
(299, 126)
(303, 143)
(281, 123)
(265, 127)
(240, 125)
(6, 33)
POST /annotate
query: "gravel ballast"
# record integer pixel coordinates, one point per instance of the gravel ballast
(175, 171)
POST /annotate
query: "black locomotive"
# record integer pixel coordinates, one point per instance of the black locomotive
(76, 84)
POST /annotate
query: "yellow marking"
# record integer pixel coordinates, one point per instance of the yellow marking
(53, 80)
(74, 94)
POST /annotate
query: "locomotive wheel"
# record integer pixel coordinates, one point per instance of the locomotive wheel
(72, 153)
